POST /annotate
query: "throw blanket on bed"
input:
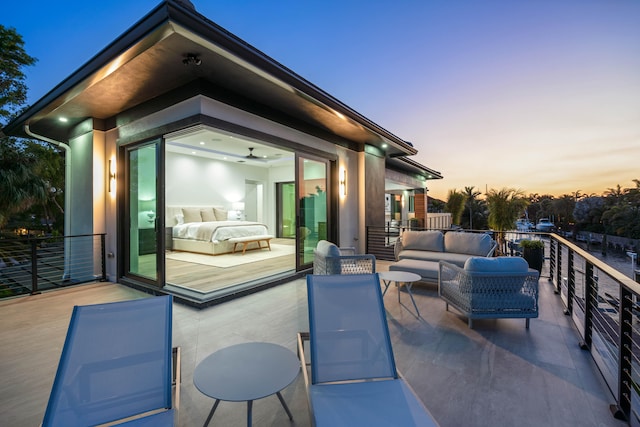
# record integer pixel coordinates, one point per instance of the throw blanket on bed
(218, 230)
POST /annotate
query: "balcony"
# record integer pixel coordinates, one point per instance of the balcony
(498, 373)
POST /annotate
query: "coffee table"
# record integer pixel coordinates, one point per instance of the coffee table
(400, 278)
(246, 372)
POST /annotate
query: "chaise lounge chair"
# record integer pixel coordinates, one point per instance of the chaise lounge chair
(354, 381)
(116, 367)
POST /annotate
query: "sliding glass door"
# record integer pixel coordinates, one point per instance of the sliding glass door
(143, 259)
(312, 219)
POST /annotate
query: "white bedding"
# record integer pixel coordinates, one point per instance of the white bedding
(222, 230)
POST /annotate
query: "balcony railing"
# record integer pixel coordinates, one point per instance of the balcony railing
(604, 305)
(29, 266)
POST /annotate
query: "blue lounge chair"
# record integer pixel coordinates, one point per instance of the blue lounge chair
(116, 366)
(354, 381)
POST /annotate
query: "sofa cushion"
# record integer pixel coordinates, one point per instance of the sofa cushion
(467, 243)
(423, 240)
(502, 264)
(326, 248)
(428, 270)
(453, 258)
(457, 259)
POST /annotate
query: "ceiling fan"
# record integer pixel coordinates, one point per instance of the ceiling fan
(251, 155)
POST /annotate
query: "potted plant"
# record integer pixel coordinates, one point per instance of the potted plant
(533, 252)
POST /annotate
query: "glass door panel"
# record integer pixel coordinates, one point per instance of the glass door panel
(286, 198)
(142, 210)
(312, 206)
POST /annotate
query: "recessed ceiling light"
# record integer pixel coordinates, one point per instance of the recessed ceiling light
(63, 119)
(201, 142)
(384, 145)
(193, 152)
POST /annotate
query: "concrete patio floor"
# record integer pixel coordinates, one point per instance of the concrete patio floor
(497, 374)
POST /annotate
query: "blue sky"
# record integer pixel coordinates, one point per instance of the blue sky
(538, 95)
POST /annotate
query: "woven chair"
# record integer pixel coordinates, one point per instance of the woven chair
(490, 288)
(330, 259)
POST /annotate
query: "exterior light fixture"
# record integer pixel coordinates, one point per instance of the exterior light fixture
(191, 59)
(343, 182)
(111, 179)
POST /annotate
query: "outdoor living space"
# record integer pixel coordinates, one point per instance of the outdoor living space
(498, 373)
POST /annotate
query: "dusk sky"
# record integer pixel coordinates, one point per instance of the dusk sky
(537, 95)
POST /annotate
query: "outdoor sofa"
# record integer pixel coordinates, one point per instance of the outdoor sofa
(490, 288)
(420, 251)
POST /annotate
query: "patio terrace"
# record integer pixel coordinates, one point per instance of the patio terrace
(498, 373)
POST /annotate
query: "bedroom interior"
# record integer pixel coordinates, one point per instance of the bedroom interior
(221, 186)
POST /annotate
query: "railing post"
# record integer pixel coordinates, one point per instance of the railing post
(103, 256)
(571, 284)
(558, 268)
(552, 257)
(622, 410)
(590, 303)
(34, 268)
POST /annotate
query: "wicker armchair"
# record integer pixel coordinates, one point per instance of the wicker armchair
(330, 259)
(490, 288)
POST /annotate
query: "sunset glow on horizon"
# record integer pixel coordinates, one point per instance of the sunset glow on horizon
(541, 96)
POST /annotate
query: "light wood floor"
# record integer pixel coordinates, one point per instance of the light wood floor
(205, 278)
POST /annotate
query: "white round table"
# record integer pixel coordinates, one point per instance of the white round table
(246, 372)
(400, 278)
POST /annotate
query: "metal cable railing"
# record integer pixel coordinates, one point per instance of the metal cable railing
(603, 304)
(29, 266)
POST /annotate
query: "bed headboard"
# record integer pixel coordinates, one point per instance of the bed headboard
(172, 211)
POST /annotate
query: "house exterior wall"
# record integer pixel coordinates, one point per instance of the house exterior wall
(373, 187)
(348, 221)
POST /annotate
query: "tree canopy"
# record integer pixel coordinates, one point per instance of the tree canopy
(13, 58)
(31, 174)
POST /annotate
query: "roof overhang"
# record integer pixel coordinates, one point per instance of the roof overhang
(147, 61)
(412, 168)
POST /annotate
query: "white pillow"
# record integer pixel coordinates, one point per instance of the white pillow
(179, 219)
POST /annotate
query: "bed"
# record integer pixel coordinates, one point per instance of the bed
(206, 229)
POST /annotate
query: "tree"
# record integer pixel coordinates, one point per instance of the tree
(563, 210)
(475, 210)
(20, 185)
(588, 213)
(455, 205)
(13, 58)
(505, 206)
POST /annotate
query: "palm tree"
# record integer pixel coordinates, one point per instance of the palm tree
(455, 205)
(471, 202)
(505, 206)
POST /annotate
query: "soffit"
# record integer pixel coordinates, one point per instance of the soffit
(152, 64)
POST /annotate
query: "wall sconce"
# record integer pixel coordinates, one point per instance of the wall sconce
(111, 179)
(343, 182)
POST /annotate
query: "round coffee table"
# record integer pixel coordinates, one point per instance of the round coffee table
(246, 372)
(400, 278)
